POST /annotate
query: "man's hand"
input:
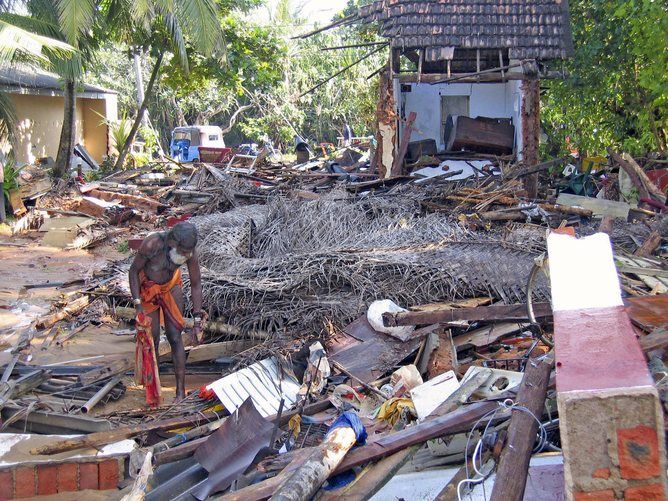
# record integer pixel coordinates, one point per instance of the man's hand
(198, 329)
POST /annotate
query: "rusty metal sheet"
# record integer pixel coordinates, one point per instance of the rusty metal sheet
(232, 448)
(368, 354)
(648, 312)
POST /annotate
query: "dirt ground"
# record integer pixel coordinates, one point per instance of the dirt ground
(26, 262)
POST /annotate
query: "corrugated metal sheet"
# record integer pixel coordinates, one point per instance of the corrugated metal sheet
(264, 382)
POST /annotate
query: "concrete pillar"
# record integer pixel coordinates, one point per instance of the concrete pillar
(611, 420)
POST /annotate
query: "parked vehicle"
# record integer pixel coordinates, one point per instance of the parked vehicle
(187, 142)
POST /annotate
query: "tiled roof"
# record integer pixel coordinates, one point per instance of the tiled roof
(23, 76)
(530, 29)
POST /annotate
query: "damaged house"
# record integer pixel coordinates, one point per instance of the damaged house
(464, 75)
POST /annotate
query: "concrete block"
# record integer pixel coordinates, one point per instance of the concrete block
(611, 421)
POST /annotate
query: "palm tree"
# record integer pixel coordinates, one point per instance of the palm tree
(48, 19)
(163, 26)
(18, 44)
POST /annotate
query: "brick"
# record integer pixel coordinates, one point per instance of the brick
(67, 477)
(601, 473)
(654, 492)
(6, 484)
(606, 495)
(638, 450)
(24, 482)
(88, 476)
(47, 479)
(108, 474)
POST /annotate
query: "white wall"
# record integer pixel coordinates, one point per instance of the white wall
(496, 100)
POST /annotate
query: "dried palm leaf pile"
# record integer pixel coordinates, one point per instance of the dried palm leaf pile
(289, 265)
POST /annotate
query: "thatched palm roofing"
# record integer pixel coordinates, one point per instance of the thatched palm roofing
(529, 29)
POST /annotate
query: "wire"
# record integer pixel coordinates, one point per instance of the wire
(476, 459)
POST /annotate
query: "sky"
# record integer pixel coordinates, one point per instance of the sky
(316, 11)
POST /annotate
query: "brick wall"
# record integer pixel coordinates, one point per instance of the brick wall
(22, 481)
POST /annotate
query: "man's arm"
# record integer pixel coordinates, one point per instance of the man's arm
(195, 283)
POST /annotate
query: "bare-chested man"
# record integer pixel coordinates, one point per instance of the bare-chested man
(156, 286)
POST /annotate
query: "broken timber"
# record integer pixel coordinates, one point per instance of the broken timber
(102, 438)
(481, 313)
(511, 475)
(309, 477)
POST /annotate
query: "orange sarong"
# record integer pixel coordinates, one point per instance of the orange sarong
(154, 296)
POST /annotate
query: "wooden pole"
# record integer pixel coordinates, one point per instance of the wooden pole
(308, 478)
(102, 438)
(480, 313)
(397, 165)
(511, 475)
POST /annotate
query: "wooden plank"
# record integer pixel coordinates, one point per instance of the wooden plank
(487, 335)
(455, 422)
(511, 475)
(102, 438)
(398, 164)
(599, 207)
(649, 245)
(656, 340)
(480, 313)
(71, 309)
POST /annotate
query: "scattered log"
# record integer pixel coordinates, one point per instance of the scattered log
(135, 201)
(373, 478)
(455, 422)
(566, 209)
(646, 188)
(309, 477)
(508, 215)
(209, 326)
(511, 475)
(102, 438)
(70, 309)
(649, 245)
(480, 313)
(398, 163)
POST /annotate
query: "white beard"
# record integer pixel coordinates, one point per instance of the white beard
(177, 258)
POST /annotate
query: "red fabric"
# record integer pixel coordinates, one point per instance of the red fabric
(146, 363)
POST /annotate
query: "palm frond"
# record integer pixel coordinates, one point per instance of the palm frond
(36, 25)
(7, 117)
(16, 42)
(177, 39)
(76, 17)
(200, 19)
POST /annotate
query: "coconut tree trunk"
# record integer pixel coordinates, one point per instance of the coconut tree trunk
(140, 114)
(68, 132)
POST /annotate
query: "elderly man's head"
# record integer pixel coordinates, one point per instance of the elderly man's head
(182, 240)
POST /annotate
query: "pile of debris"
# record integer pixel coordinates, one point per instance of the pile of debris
(362, 331)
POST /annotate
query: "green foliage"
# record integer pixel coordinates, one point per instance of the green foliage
(617, 92)
(119, 130)
(123, 247)
(11, 173)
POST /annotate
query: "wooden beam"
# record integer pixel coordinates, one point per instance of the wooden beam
(511, 475)
(398, 164)
(102, 438)
(455, 422)
(650, 244)
(309, 477)
(480, 313)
